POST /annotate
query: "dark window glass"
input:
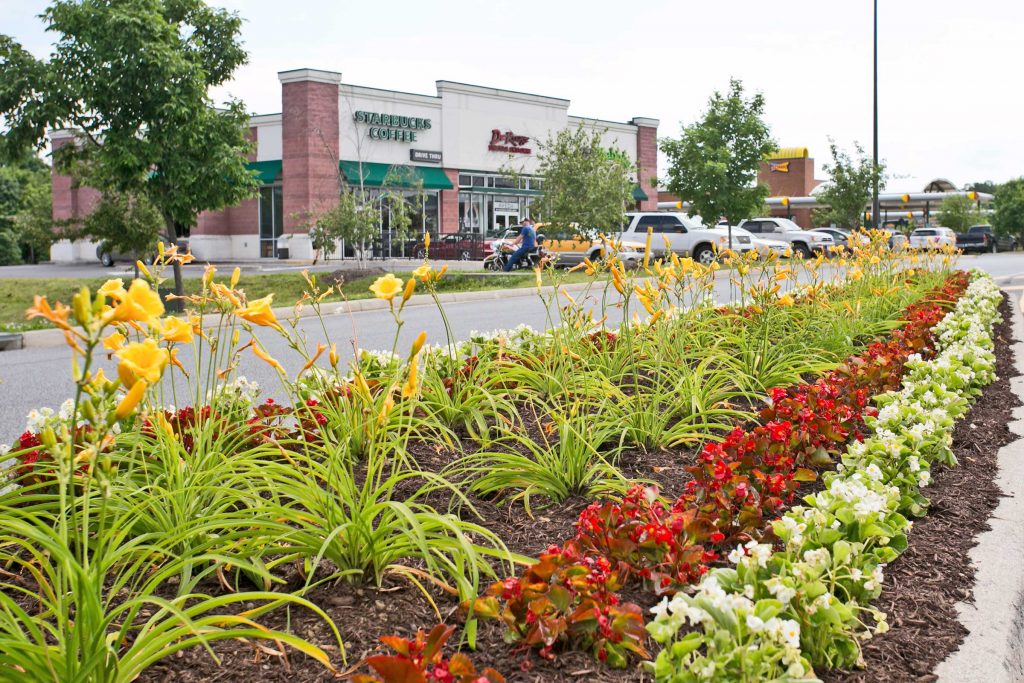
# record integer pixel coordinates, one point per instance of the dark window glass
(465, 180)
(504, 181)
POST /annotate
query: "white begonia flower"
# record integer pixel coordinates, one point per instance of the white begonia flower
(791, 633)
(924, 478)
(873, 472)
(755, 624)
(913, 464)
(660, 611)
(737, 555)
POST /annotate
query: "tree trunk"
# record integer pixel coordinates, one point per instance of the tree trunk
(175, 305)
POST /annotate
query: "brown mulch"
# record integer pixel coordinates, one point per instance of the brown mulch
(923, 586)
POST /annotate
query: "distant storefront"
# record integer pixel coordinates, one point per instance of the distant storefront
(450, 154)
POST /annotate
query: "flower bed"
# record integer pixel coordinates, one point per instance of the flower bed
(403, 472)
(782, 611)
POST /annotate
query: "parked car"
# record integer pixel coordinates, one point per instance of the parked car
(840, 238)
(803, 242)
(686, 236)
(764, 245)
(932, 238)
(570, 251)
(108, 256)
(454, 247)
(983, 238)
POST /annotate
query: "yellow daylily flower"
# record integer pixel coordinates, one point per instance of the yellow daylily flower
(177, 330)
(259, 312)
(423, 273)
(138, 304)
(786, 300)
(113, 288)
(386, 287)
(114, 341)
(141, 361)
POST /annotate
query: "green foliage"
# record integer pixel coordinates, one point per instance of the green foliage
(587, 187)
(25, 214)
(122, 223)
(132, 79)
(353, 219)
(959, 213)
(714, 164)
(1008, 218)
(849, 189)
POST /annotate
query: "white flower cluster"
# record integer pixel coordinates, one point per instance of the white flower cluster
(857, 524)
(238, 391)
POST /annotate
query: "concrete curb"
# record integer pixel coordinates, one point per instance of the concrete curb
(37, 339)
(993, 651)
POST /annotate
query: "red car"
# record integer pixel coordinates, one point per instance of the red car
(455, 247)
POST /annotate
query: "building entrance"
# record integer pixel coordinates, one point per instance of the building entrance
(504, 220)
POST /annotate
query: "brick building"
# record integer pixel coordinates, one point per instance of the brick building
(789, 172)
(457, 146)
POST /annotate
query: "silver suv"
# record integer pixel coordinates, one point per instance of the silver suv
(804, 242)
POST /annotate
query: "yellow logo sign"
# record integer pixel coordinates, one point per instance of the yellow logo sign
(778, 166)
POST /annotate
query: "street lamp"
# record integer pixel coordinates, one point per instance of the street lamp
(874, 169)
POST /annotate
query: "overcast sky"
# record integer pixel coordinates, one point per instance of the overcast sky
(951, 95)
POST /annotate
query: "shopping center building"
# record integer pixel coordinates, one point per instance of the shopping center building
(466, 156)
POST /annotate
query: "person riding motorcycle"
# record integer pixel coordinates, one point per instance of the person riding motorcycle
(526, 241)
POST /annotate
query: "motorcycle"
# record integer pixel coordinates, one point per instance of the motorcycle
(532, 259)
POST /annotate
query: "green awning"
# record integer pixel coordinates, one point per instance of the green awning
(397, 175)
(639, 194)
(265, 171)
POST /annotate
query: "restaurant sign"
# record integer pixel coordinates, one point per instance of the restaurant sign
(429, 157)
(508, 142)
(391, 126)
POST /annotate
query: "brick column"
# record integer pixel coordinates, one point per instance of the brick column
(450, 203)
(310, 142)
(647, 160)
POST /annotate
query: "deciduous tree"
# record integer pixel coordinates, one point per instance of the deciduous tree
(587, 187)
(713, 164)
(132, 79)
(848, 191)
(1008, 218)
(958, 213)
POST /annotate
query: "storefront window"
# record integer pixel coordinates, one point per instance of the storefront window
(271, 219)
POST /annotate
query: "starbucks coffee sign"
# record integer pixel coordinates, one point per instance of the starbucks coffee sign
(391, 126)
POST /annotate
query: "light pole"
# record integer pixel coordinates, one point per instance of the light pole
(874, 168)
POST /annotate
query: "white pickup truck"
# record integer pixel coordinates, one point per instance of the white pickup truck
(686, 236)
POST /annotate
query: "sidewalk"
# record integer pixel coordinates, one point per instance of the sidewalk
(993, 651)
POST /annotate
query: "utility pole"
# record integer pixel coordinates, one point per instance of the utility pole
(874, 178)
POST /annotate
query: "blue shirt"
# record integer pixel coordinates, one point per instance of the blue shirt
(529, 237)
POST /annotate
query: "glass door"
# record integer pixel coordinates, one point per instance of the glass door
(504, 220)
(271, 219)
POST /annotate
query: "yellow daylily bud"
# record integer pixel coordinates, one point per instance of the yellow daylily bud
(333, 355)
(208, 274)
(418, 343)
(235, 274)
(411, 386)
(320, 348)
(426, 241)
(143, 269)
(266, 358)
(440, 274)
(127, 405)
(386, 408)
(410, 286)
